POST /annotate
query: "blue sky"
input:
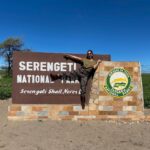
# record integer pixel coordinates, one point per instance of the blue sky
(120, 28)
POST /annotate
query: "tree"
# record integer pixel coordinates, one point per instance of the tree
(7, 48)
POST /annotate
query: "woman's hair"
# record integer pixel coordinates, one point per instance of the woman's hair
(89, 56)
(90, 51)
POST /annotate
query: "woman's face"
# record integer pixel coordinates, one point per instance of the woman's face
(89, 55)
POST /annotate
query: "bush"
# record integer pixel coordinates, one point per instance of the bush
(147, 102)
(146, 89)
(5, 87)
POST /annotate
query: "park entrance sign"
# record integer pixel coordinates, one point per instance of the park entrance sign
(32, 83)
(116, 91)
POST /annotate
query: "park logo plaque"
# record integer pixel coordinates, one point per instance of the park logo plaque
(118, 82)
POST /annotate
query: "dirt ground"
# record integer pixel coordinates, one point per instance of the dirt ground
(71, 135)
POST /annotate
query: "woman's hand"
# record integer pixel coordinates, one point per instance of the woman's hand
(99, 61)
(66, 56)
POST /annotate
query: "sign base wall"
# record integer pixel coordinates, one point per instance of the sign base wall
(102, 105)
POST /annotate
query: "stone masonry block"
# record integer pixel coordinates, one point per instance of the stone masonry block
(94, 96)
(101, 66)
(42, 117)
(136, 69)
(95, 91)
(102, 79)
(135, 78)
(15, 118)
(140, 108)
(135, 87)
(68, 108)
(93, 106)
(15, 108)
(20, 113)
(106, 103)
(105, 98)
(74, 113)
(96, 101)
(119, 103)
(107, 112)
(136, 113)
(66, 117)
(37, 108)
(30, 117)
(77, 108)
(122, 113)
(134, 64)
(11, 113)
(128, 98)
(132, 93)
(95, 75)
(129, 108)
(91, 100)
(108, 63)
(133, 103)
(95, 85)
(84, 113)
(84, 117)
(63, 113)
(93, 112)
(107, 68)
(56, 108)
(103, 73)
(129, 69)
(42, 113)
(105, 108)
(117, 108)
(26, 108)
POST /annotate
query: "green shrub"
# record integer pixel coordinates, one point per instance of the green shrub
(147, 102)
(5, 87)
(146, 89)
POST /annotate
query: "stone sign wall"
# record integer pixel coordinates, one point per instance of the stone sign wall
(116, 93)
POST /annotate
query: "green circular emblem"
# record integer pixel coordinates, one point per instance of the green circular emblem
(118, 82)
